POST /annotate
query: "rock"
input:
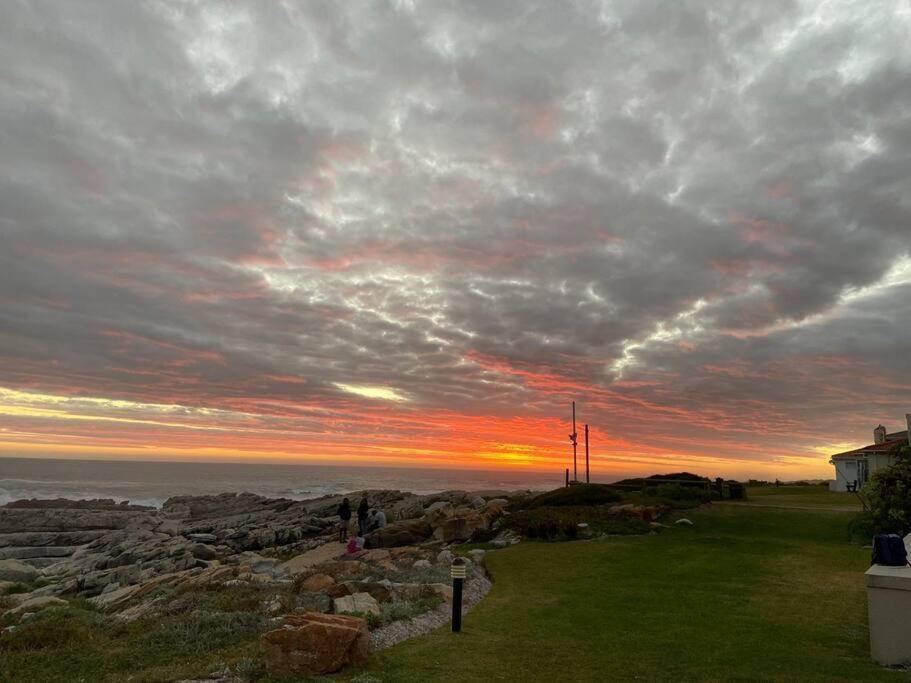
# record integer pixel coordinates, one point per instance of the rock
(6, 585)
(203, 538)
(451, 524)
(478, 503)
(306, 561)
(115, 597)
(202, 551)
(313, 644)
(343, 568)
(16, 571)
(422, 564)
(357, 603)
(444, 557)
(140, 610)
(314, 602)
(477, 556)
(379, 591)
(36, 605)
(407, 532)
(684, 521)
(506, 538)
(316, 583)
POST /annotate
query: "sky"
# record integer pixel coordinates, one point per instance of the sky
(412, 233)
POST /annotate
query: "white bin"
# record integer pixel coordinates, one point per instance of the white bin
(889, 604)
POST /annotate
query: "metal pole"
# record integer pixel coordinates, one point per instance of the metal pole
(587, 481)
(575, 467)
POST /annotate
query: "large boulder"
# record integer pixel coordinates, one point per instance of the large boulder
(313, 644)
(317, 582)
(14, 570)
(356, 603)
(36, 605)
(451, 524)
(407, 532)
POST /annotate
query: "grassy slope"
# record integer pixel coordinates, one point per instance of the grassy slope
(809, 496)
(748, 594)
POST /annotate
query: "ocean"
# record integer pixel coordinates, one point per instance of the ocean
(151, 483)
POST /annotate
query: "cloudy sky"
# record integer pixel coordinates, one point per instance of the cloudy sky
(413, 232)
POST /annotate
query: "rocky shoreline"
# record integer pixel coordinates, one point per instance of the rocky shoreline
(133, 562)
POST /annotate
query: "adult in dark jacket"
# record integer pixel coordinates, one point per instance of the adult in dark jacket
(344, 517)
(362, 511)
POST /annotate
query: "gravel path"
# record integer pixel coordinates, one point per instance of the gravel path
(474, 589)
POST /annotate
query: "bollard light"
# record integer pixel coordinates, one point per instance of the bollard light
(458, 571)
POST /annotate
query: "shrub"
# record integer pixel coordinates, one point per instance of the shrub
(561, 523)
(889, 493)
(677, 493)
(52, 629)
(250, 670)
(580, 494)
(861, 528)
(200, 632)
(404, 609)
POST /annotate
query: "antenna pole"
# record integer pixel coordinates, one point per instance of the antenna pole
(575, 439)
(587, 481)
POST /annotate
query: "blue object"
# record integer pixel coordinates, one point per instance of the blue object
(889, 550)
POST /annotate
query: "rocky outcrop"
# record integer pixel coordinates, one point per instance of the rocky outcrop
(451, 524)
(408, 532)
(17, 571)
(313, 644)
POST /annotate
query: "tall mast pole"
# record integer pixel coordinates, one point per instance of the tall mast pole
(574, 438)
(586, 455)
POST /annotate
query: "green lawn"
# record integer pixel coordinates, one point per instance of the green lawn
(805, 496)
(748, 594)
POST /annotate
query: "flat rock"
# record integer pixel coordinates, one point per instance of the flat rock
(36, 605)
(15, 570)
(311, 558)
(317, 582)
(356, 603)
(314, 644)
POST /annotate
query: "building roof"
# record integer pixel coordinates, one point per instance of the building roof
(891, 441)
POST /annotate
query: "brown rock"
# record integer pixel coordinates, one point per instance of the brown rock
(317, 582)
(315, 644)
(452, 524)
(407, 532)
(342, 568)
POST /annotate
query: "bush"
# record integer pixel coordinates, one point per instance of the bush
(201, 632)
(561, 523)
(580, 494)
(889, 493)
(860, 529)
(52, 629)
(679, 493)
(404, 609)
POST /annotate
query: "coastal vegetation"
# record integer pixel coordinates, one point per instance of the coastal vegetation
(743, 592)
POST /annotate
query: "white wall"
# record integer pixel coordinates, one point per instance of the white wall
(845, 473)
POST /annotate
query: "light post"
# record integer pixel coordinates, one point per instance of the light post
(458, 571)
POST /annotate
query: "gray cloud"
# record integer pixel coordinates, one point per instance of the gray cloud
(690, 208)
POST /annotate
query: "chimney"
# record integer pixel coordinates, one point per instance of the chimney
(879, 435)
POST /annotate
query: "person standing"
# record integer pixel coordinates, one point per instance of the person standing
(362, 511)
(344, 517)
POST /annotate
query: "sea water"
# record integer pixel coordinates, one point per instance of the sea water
(151, 483)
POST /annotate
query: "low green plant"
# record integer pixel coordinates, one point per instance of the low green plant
(249, 669)
(562, 523)
(200, 632)
(579, 494)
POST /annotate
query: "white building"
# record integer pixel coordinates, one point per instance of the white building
(854, 468)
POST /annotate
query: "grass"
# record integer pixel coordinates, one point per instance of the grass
(748, 594)
(805, 496)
